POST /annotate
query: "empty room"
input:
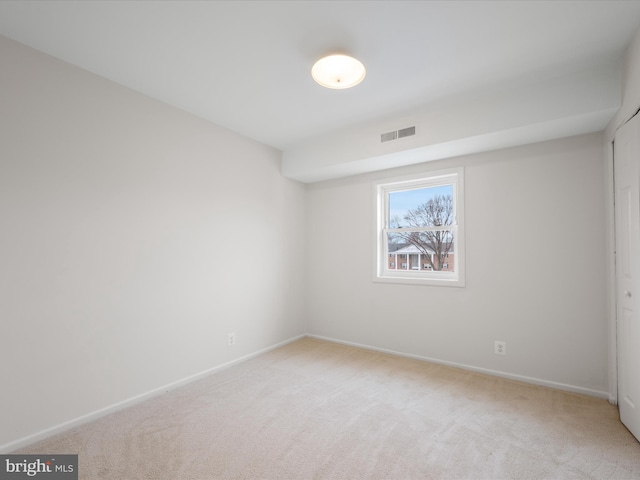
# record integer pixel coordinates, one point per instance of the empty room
(319, 239)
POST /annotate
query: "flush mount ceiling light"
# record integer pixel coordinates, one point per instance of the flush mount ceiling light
(338, 71)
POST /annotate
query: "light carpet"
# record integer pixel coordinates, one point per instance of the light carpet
(316, 410)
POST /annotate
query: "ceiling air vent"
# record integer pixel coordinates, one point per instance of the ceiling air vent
(405, 132)
(385, 137)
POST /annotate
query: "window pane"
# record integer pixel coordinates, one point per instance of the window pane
(421, 207)
(420, 251)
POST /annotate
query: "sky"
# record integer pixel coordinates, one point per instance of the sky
(400, 202)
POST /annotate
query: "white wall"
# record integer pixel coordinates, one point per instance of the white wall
(134, 237)
(535, 237)
(630, 86)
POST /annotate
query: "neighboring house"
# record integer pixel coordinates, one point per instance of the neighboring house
(409, 257)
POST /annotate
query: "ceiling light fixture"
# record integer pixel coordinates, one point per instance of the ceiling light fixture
(338, 71)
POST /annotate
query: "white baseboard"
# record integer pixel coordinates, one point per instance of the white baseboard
(36, 437)
(495, 373)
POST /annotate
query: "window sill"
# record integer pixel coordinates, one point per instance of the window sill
(411, 280)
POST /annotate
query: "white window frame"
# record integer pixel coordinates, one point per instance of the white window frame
(381, 190)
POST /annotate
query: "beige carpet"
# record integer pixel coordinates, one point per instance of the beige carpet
(314, 409)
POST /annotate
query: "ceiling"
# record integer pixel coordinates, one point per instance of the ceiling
(245, 65)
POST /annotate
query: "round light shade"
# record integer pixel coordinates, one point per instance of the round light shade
(338, 71)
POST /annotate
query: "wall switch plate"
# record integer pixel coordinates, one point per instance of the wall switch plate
(500, 348)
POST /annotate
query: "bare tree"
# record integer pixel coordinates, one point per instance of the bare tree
(436, 212)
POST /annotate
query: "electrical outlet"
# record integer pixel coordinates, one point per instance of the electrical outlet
(231, 339)
(500, 348)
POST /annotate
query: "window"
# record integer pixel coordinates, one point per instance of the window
(419, 229)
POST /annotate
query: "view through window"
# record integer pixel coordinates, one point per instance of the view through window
(418, 229)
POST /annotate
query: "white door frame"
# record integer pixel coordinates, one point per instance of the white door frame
(611, 273)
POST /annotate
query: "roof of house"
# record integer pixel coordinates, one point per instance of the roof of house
(409, 248)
